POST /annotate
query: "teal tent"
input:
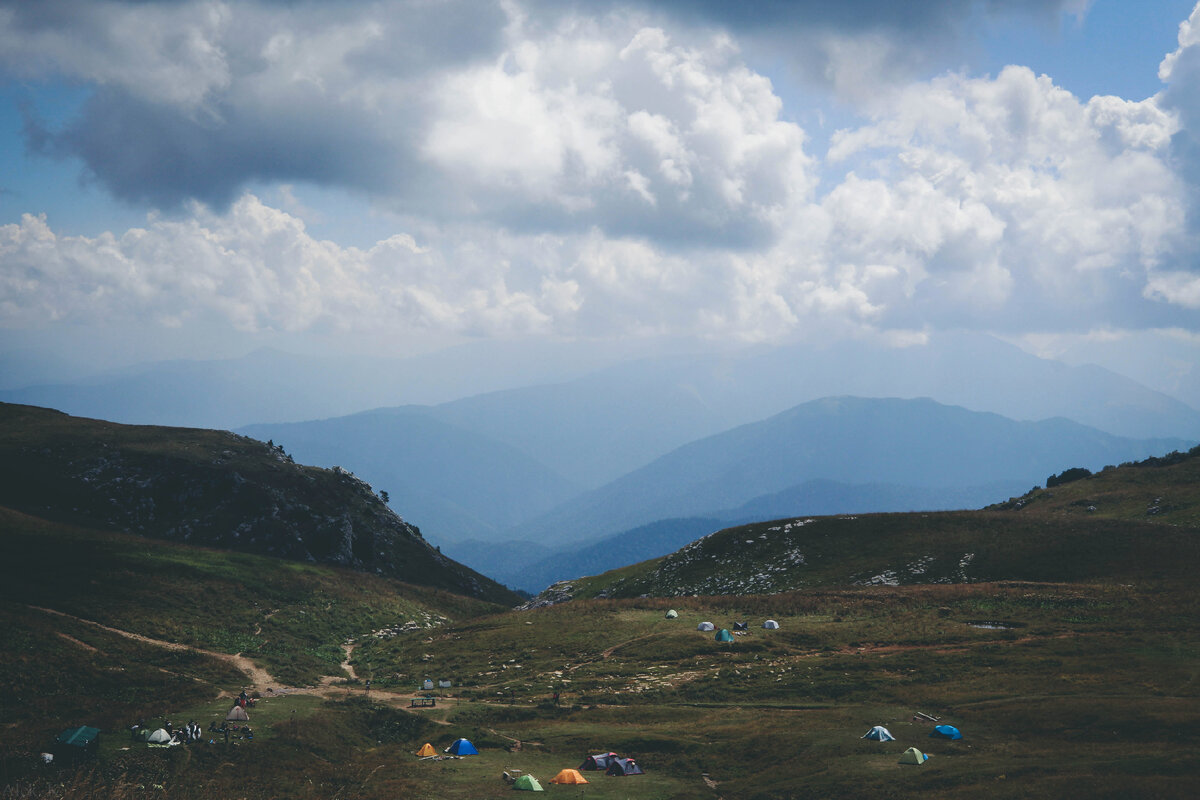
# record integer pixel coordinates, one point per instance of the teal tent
(724, 635)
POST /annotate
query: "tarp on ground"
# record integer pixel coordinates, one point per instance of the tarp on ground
(598, 761)
(427, 750)
(78, 742)
(623, 766)
(461, 747)
(528, 783)
(568, 776)
(879, 734)
(913, 756)
(706, 626)
(945, 732)
(237, 714)
(724, 635)
(771, 625)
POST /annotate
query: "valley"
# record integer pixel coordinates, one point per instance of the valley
(1057, 630)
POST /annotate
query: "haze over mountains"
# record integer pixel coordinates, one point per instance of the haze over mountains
(534, 479)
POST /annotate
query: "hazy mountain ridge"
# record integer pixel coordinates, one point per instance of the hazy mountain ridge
(460, 483)
(212, 488)
(856, 441)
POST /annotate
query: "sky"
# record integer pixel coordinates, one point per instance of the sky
(200, 179)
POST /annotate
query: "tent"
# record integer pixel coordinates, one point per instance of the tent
(598, 761)
(672, 614)
(724, 635)
(462, 747)
(568, 776)
(160, 736)
(144, 734)
(623, 766)
(741, 626)
(879, 734)
(913, 756)
(706, 626)
(528, 783)
(427, 750)
(945, 732)
(771, 625)
(237, 714)
(428, 684)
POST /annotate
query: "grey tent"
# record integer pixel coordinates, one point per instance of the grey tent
(237, 714)
(879, 734)
(160, 736)
(706, 626)
(771, 625)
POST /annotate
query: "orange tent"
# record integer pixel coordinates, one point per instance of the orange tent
(427, 750)
(569, 776)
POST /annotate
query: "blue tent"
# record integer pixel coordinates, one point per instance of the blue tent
(462, 747)
(945, 732)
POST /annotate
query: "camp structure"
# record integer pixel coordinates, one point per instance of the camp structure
(567, 776)
(461, 747)
(771, 625)
(945, 732)
(76, 743)
(672, 614)
(427, 684)
(913, 756)
(528, 783)
(598, 761)
(706, 626)
(724, 635)
(144, 734)
(623, 766)
(444, 684)
(879, 734)
(237, 714)
(741, 626)
(160, 736)
(426, 751)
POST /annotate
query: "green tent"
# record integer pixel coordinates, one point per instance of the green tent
(724, 635)
(913, 756)
(672, 614)
(528, 783)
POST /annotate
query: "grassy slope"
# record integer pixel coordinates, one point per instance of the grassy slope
(211, 488)
(1132, 523)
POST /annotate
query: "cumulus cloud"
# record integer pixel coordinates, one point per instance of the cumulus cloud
(588, 175)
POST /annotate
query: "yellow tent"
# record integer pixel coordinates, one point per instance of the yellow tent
(568, 776)
(427, 750)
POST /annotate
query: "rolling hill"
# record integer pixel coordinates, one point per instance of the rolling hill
(1136, 522)
(212, 488)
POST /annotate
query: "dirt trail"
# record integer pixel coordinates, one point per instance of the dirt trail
(259, 679)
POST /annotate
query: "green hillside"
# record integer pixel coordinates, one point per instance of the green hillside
(1064, 649)
(1135, 522)
(212, 488)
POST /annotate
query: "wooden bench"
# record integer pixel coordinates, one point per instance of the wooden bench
(423, 702)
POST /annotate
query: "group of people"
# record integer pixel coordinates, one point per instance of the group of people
(187, 734)
(227, 730)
